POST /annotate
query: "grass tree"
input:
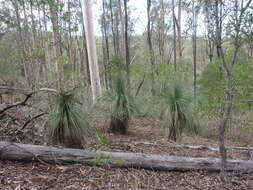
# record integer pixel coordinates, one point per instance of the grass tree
(67, 122)
(120, 104)
(178, 110)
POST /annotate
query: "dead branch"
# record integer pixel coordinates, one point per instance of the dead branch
(27, 93)
(32, 119)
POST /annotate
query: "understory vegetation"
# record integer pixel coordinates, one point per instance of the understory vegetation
(175, 78)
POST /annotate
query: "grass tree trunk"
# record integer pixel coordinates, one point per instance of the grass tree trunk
(118, 125)
(92, 52)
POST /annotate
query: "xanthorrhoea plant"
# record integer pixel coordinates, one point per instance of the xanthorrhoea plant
(67, 122)
(178, 110)
(120, 103)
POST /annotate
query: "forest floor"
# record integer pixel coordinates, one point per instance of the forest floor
(146, 136)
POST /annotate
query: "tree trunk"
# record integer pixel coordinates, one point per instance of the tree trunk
(85, 51)
(21, 41)
(57, 43)
(194, 46)
(122, 29)
(161, 32)
(127, 54)
(179, 40)
(106, 51)
(112, 28)
(151, 51)
(174, 36)
(52, 155)
(92, 52)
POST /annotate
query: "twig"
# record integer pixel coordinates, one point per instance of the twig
(30, 120)
(22, 103)
(140, 85)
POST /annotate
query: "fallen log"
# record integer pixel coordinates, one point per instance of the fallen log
(197, 147)
(53, 155)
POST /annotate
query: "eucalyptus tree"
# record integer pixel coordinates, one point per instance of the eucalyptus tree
(91, 47)
(230, 18)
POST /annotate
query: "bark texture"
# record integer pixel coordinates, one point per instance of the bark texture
(52, 155)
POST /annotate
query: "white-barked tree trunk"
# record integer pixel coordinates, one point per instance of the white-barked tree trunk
(91, 48)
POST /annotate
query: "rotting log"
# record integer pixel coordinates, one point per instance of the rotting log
(53, 155)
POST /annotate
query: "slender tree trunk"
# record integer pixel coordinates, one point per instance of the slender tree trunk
(92, 52)
(151, 52)
(174, 36)
(35, 63)
(227, 111)
(27, 45)
(57, 44)
(122, 29)
(228, 70)
(106, 51)
(113, 28)
(161, 32)
(127, 54)
(179, 38)
(21, 41)
(45, 44)
(194, 46)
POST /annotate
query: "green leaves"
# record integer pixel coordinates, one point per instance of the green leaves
(212, 83)
(178, 110)
(119, 100)
(67, 123)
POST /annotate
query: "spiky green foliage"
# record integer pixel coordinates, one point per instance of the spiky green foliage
(178, 110)
(119, 103)
(67, 122)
